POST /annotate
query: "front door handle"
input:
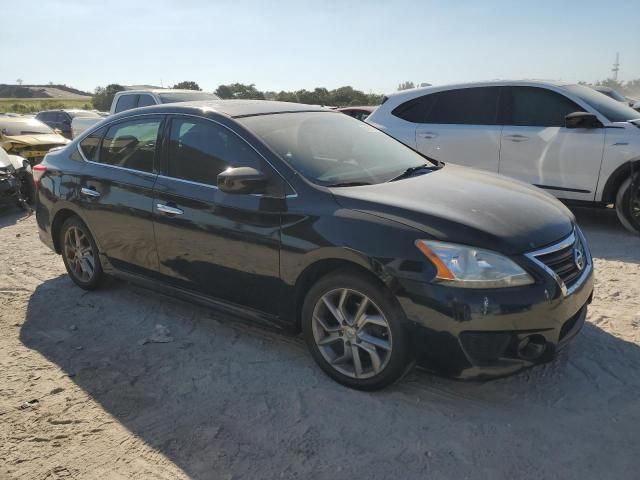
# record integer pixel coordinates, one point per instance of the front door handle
(517, 138)
(428, 135)
(169, 210)
(90, 192)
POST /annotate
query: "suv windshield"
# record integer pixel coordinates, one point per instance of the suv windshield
(25, 126)
(330, 148)
(612, 109)
(175, 97)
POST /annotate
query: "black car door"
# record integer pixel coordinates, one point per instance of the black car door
(221, 245)
(116, 193)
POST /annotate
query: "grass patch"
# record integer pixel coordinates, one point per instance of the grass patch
(33, 105)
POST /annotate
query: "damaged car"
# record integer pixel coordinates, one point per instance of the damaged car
(28, 138)
(16, 181)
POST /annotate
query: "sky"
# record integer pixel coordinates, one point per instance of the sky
(289, 45)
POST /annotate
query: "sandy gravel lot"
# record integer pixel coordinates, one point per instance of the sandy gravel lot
(226, 400)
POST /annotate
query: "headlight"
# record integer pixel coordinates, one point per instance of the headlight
(468, 267)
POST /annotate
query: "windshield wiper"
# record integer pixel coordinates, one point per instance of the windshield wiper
(348, 184)
(411, 170)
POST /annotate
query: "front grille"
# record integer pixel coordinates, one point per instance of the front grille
(567, 259)
(563, 263)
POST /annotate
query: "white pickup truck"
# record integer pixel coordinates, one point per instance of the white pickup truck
(128, 99)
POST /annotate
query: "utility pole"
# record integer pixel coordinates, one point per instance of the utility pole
(616, 67)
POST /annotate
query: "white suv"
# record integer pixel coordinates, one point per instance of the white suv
(570, 140)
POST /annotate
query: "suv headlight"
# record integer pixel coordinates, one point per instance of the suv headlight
(469, 267)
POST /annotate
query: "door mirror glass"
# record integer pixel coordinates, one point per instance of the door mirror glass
(242, 180)
(582, 120)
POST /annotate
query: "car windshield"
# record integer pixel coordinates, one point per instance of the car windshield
(25, 126)
(614, 111)
(175, 97)
(330, 148)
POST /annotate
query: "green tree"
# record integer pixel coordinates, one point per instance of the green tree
(187, 85)
(103, 96)
(239, 90)
(406, 85)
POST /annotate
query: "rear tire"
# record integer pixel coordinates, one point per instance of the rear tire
(80, 254)
(628, 204)
(355, 331)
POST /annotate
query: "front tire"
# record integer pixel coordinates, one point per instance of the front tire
(628, 204)
(80, 254)
(355, 332)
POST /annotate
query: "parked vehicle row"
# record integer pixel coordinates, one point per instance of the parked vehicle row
(569, 140)
(304, 218)
(129, 99)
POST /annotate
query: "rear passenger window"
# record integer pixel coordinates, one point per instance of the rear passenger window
(126, 102)
(416, 109)
(90, 145)
(131, 144)
(467, 106)
(199, 150)
(539, 107)
(145, 101)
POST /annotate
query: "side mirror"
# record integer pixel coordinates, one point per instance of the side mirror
(242, 180)
(582, 120)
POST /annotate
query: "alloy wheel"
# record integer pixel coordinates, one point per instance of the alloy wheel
(352, 333)
(79, 253)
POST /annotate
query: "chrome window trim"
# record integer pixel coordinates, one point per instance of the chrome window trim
(108, 124)
(566, 242)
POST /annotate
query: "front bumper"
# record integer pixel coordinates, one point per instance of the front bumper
(468, 333)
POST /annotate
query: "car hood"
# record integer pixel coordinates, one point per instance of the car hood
(462, 205)
(36, 139)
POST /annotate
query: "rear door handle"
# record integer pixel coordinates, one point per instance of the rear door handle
(168, 209)
(90, 192)
(516, 138)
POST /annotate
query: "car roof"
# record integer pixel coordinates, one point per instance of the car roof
(161, 90)
(491, 83)
(366, 108)
(237, 108)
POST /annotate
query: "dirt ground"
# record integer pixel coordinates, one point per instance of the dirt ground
(84, 393)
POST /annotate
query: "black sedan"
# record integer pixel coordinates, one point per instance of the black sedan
(307, 219)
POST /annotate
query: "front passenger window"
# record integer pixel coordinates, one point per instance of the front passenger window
(539, 107)
(131, 144)
(199, 150)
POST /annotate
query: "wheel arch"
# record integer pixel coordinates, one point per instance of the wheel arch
(60, 217)
(617, 178)
(321, 268)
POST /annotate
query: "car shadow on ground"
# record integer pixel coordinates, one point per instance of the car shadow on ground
(607, 238)
(225, 397)
(10, 215)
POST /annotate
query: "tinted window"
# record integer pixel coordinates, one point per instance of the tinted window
(131, 144)
(614, 111)
(539, 107)
(90, 145)
(145, 101)
(199, 150)
(467, 106)
(126, 102)
(416, 109)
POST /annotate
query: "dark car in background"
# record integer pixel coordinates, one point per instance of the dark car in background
(359, 113)
(61, 119)
(303, 218)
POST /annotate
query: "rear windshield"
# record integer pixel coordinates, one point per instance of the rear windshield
(24, 127)
(175, 97)
(612, 109)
